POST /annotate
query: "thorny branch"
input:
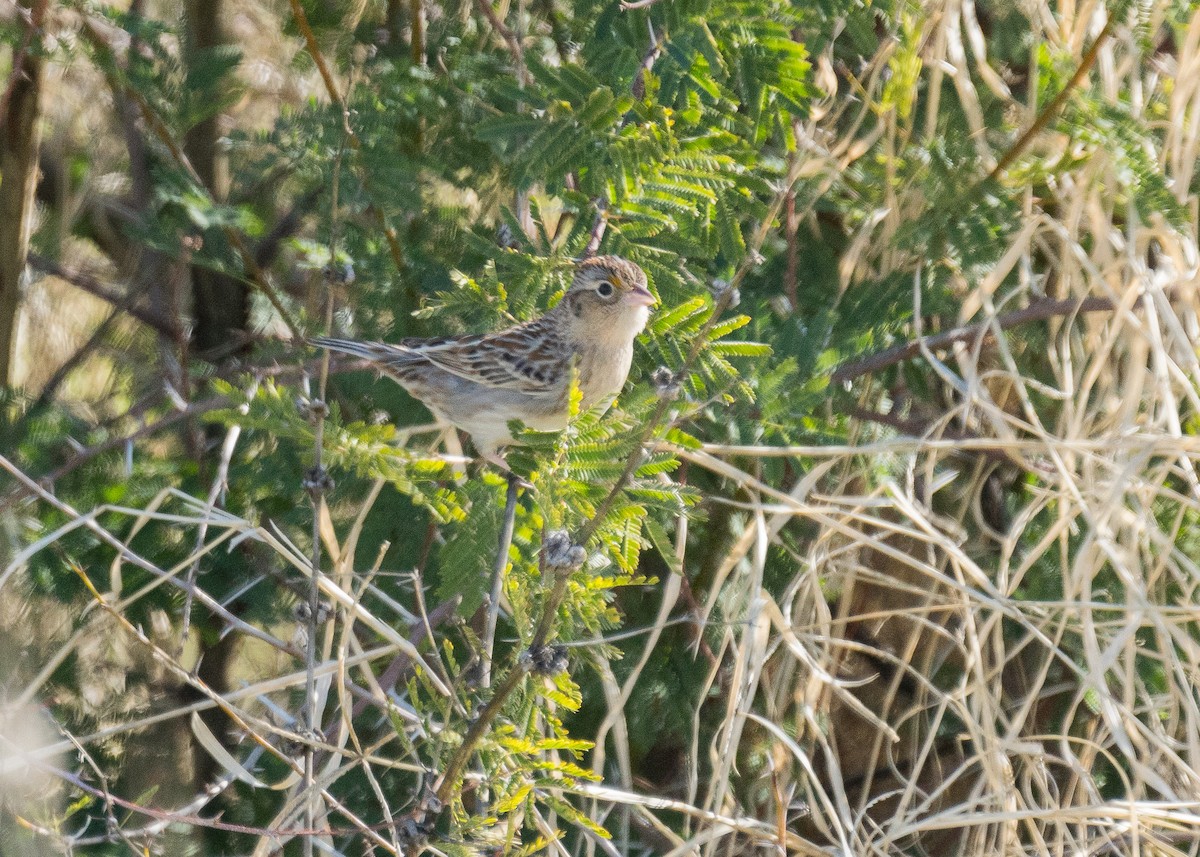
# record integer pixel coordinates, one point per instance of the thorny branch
(1056, 103)
(255, 274)
(125, 303)
(1037, 311)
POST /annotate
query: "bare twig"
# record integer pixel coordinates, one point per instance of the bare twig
(1037, 311)
(125, 303)
(1051, 110)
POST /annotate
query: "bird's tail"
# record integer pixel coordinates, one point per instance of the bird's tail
(376, 351)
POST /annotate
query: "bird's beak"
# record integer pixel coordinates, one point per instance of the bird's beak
(640, 296)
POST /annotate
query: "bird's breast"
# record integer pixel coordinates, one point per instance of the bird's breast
(602, 372)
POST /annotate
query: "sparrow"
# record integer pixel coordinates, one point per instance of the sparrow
(481, 382)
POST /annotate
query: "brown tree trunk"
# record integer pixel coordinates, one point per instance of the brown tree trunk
(20, 136)
(220, 304)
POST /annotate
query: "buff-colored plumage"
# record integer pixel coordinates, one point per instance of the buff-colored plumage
(481, 382)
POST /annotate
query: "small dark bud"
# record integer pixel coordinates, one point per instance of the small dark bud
(301, 739)
(505, 237)
(472, 674)
(317, 481)
(412, 835)
(301, 612)
(560, 554)
(665, 383)
(719, 289)
(314, 410)
(430, 802)
(548, 660)
(339, 274)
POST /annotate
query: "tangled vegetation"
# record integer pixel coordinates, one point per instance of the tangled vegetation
(887, 547)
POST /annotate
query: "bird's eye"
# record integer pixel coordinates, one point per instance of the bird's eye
(605, 289)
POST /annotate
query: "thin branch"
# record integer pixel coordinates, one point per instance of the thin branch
(402, 661)
(91, 285)
(268, 248)
(984, 330)
(191, 410)
(1056, 103)
(92, 452)
(449, 778)
(254, 273)
(314, 50)
(310, 41)
(62, 372)
(510, 39)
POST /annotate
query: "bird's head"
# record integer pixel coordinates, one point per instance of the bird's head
(608, 298)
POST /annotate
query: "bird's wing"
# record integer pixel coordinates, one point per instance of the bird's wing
(530, 358)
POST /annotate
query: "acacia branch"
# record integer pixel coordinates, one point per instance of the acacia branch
(1056, 103)
(512, 681)
(984, 330)
(125, 303)
(254, 273)
(314, 49)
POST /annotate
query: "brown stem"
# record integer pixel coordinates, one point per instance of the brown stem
(458, 762)
(1037, 311)
(314, 50)
(791, 228)
(1056, 103)
(510, 39)
(418, 33)
(125, 303)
